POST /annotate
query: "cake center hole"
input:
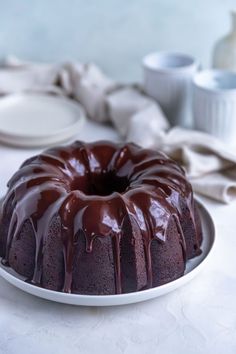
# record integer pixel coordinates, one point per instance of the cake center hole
(107, 183)
(102, 184)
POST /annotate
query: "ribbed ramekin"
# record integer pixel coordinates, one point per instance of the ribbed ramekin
(214, 104)
(167, 77)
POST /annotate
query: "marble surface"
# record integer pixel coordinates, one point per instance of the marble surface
(198, 318)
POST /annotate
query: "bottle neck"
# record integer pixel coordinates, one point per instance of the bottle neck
(233, 22)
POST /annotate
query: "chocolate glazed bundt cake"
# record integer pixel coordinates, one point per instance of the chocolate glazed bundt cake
(99, 218)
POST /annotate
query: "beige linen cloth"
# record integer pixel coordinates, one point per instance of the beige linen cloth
(210, 165)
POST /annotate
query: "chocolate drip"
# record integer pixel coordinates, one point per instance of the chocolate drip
(66, 214)
(116, 253)
(146, 184)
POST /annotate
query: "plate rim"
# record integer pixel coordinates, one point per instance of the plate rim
(34, 140)
(116, 299)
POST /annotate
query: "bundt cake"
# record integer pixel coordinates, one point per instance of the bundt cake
(99, 218)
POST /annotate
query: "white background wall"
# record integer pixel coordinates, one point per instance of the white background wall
(114, 33)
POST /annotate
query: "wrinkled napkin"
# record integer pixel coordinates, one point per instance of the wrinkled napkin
(209, 164)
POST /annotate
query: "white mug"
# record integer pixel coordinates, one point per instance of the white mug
(214, 104)
(168, 79)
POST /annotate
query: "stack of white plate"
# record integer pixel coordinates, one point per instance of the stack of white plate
(35, 120)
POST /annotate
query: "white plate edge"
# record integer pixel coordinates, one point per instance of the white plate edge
(39, 141)
(115, 300)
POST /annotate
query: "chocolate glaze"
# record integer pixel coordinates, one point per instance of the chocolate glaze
(102, 182)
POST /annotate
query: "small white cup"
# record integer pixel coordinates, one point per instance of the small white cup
(214, 104)
(168, 79)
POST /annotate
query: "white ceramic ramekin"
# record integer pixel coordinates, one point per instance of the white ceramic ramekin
(214, 104)
(168, 79)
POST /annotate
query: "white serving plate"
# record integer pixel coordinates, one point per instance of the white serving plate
(35, 120)
(193, 268)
